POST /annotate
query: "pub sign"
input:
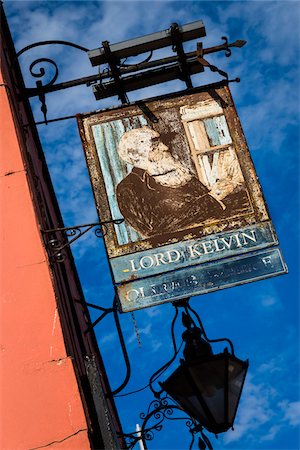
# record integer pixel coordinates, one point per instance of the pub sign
(178, 171)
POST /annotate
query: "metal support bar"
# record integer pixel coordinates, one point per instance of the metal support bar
(160, 410)
(55, 245)
(114, 63)
(123, 69)
(124, 349)
(105, 311)
(147, 78)
(148, 113)
(182, 59)
(147, 43)
(182, 66)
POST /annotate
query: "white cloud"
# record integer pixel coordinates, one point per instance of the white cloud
(262, 415)
(291, 412)
(153, 312)
(254, 411)
(271, 434)
(108, 338)
(269, 299)
(155, 345)
(271, 367)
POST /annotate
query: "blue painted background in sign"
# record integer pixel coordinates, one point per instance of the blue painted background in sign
(107, 136)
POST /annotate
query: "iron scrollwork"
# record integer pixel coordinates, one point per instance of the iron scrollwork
(56, 245)
(163, 407)
(40, 72)
(116, 69)
(160, 410)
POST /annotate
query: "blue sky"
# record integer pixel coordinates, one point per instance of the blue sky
(261, 318)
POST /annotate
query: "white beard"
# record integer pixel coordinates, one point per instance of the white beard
(167, 171)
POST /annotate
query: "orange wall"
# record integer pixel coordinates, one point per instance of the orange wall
(40, 401)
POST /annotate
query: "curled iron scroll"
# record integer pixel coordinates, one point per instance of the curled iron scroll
(42, 71)
(227, 49)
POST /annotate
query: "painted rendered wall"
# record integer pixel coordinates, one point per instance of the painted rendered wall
(40, 401)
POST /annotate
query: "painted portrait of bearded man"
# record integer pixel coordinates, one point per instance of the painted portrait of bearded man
(160, 195)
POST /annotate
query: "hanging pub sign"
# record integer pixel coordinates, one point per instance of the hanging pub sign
(179, 172)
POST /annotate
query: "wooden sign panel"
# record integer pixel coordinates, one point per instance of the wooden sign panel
(194, 215)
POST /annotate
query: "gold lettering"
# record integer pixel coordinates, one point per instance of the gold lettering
(133, 266)
(218, 249)
(194, 253)
(227, 244)
(146, 266)
(251, 238)
(206, 250)
(159, 259)
(177, 256)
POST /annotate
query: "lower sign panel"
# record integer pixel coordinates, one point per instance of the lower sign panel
(200, 279)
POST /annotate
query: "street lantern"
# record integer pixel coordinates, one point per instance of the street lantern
(207, 386)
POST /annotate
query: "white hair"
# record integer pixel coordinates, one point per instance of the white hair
(136, 147)
(136, 143)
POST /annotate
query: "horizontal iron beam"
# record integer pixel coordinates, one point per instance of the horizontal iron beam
(145, 79)
(149, 42)
(126, 69)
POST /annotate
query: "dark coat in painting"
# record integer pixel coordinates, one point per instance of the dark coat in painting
(153, 209)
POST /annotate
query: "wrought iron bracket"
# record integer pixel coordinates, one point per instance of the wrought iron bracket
(56, 245)
(105, 312)
(159, 410)
(163, 407)
(40, 72)
(145, 73)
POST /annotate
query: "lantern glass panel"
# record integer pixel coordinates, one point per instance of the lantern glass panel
(209, 390)
(210, 379)
(179, 386)
(236, 376)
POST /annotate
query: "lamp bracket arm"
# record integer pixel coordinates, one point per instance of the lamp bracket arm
(124, 350)
(105, 311)
(159, 410)
(167, 364)
(204, 333)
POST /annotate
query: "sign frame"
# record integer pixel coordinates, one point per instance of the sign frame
(253, 219)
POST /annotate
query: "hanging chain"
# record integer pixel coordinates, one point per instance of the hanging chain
(136, 330)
